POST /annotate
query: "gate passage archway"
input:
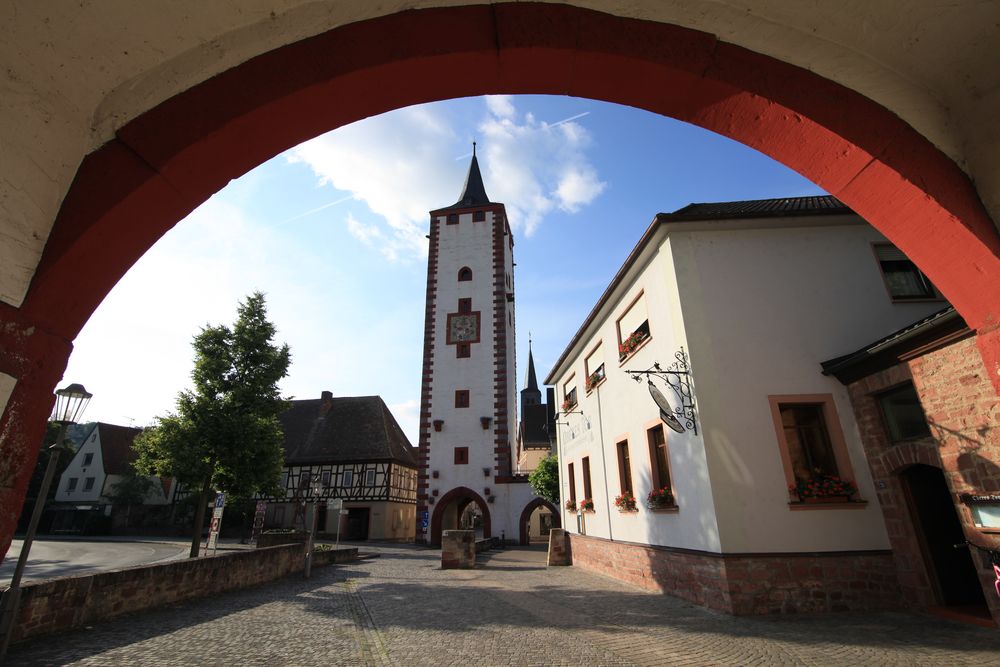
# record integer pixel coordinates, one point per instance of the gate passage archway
(455, 501)
(524, 537)
(163, 163)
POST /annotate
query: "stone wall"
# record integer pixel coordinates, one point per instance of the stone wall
(748, 584)
(56, 605)
(963, 413)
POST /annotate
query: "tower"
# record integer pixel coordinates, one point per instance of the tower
(468, 396)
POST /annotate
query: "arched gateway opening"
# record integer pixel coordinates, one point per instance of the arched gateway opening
(533, 521)
(453, 507)
(164, 163)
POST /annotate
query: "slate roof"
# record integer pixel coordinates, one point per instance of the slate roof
(759, 208)
(530, 381)
(116, 448)
(474, 192)
(886, 351)
(343, 429)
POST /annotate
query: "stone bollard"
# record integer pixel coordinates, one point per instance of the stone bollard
(458, 549)
(559, 547)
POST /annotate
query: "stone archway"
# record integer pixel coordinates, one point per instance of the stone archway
(526, 516)
(165, 162)
(460, 496)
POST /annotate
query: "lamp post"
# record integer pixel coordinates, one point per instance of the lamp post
(315, 488)
(71, 401)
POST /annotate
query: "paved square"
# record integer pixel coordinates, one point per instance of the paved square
(401, 609)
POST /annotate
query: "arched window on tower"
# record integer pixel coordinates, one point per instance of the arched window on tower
(464, 274)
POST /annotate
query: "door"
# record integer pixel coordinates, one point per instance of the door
(938, 530)
(357, 524)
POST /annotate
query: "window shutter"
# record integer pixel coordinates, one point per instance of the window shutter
(886, 252)
(595, 359)
(634, 317)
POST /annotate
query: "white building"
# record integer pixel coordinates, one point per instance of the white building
(468, 404)
(756, 294)
(103, 458)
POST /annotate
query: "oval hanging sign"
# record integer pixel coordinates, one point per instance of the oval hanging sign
(666, 412)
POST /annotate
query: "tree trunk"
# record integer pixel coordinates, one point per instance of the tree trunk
(199, 519)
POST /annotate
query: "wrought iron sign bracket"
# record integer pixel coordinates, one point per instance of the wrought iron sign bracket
(677, 376)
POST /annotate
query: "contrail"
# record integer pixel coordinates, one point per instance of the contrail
(566, 120)
(317, 209)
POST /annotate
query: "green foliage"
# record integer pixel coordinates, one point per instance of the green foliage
(130, 490)
(225, 434)
(545, 479)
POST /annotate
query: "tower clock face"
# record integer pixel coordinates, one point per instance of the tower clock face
(464, 328)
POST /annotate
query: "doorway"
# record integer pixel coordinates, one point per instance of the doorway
(951, 571)
(357, 524)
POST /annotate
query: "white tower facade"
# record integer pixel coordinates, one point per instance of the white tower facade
(468, 408)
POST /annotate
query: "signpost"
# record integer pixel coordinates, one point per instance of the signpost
(213, 532)
(336, 505)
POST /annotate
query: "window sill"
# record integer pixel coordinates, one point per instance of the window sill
(845, 505)
(603, 380)
(634, 510)
(666, 509)
(622, 360)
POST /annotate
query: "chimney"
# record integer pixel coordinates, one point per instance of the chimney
(327, 402)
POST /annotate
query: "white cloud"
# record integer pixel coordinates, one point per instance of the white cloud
(534, 166)
(500, 105)
(407, 413)
(401, 166)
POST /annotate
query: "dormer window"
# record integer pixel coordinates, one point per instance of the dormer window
(464, 274)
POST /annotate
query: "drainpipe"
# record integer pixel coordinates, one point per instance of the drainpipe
(604, 463)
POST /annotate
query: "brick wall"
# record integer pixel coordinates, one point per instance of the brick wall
(963, 412)
(56, 605)
(748, 584)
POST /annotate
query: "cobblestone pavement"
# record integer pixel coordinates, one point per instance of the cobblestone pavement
(401, 609)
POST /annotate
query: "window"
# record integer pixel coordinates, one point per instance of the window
(88, 483)
(587, 491)
(464, 274)
(479, 216)
(809, 436)
(624, 467)
(594, 365)
(463, 351)
(572, 484)
(465, 305)
(461, 455)
(461, 398)
(88, 459)
(633, 327)
(369, 478)
(659, 458)
(569, 394)
(348, 478)
(71, 484)
(902, 277)
(453, 218)
(904, 416)
(325, 478)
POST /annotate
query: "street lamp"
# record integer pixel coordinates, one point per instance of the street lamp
(315, 489)
(71, 401)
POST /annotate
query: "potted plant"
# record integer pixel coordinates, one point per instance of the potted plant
(626, 502)
(823, 488)
(595, 378)
(568, 405)
(570, 505)
(629, 345)
(587, 504)
(659, 498)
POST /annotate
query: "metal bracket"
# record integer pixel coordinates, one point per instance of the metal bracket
(677, 376)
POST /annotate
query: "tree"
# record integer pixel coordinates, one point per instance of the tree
(130, 490)
(225, 433)
(545, 479)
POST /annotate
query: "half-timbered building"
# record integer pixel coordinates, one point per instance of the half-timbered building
(350, 448)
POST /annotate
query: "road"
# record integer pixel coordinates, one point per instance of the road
(403, 610)
(61, 558)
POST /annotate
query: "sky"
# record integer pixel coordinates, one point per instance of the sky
(333, 232)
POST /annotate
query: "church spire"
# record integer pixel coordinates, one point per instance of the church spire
(530, 382)
(474, 193)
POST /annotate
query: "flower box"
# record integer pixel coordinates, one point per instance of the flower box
(631, 344)
(570, 505)
(626, 502)
(826, 499)
(823, 488)
(660, 498)
(587, 505)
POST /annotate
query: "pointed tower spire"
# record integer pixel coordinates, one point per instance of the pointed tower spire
(474, 193)
(530, 382)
